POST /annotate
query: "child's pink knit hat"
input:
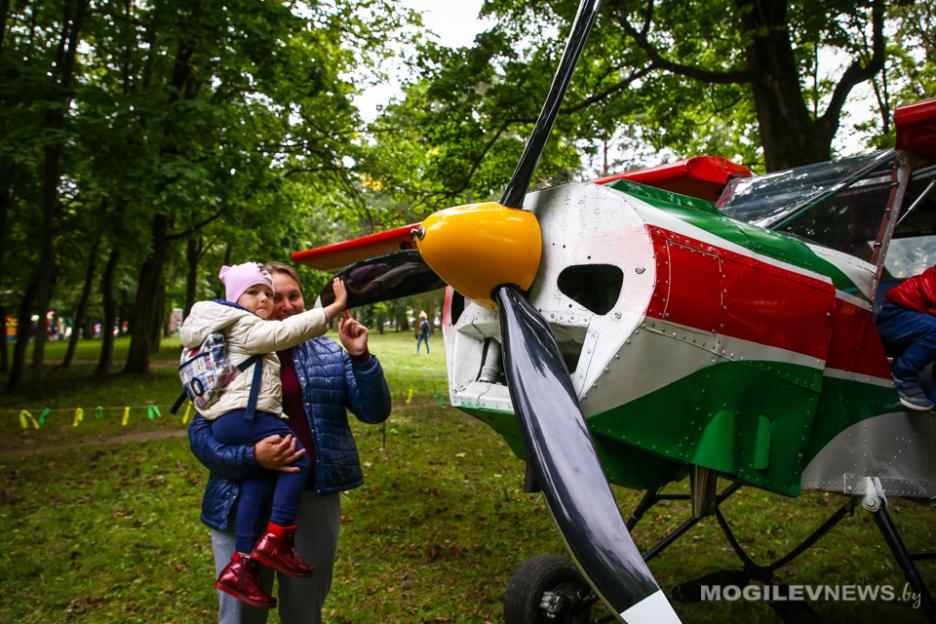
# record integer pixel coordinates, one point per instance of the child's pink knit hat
(240, 277)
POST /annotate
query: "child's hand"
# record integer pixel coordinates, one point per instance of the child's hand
(341, 299)
(341, 294)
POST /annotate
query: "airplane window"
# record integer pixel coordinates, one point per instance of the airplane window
(594, 286)
(911, 256)
(851, 195)
(912, 249)
(769, 199)
(849, 221)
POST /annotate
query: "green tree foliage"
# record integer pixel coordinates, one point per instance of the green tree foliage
(910, 71)
(738, 79)
(459, 133)
(143, 143)
(174, 138)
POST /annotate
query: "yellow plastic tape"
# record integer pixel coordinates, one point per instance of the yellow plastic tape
(126, 417)
(25, 418)
(79, 416)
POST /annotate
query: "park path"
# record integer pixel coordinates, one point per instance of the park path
(17, 446)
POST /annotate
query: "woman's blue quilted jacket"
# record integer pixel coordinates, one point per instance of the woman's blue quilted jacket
(331, 385)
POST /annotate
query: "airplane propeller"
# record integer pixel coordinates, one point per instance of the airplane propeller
(490, 253)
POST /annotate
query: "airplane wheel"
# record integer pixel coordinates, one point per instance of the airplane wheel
(547, 589)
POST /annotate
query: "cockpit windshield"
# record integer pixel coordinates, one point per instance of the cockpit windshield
(841, 205)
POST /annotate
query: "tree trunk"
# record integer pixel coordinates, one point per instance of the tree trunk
(106, 361)
(46, 266)
(4, 347)
(219, 289)
(791, 134)
(161, 329)
(4, 231)
(125, 314)
(787, 130)
(159, 314)
(79, 320)
(4, 11)
(148, 307)
(55, 122)
(23, 330)
(192, 256)
(147, 293)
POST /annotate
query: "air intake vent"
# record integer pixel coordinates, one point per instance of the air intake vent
(594, 286)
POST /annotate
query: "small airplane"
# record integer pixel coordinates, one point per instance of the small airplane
(689, 319)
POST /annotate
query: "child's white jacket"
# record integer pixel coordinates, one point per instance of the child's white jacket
(247, 335)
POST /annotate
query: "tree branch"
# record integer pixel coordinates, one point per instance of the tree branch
(297, 170)
(4, 10)
(593, 99)
(597, 97)
(657, 60)
(858, 71)
(194, 228)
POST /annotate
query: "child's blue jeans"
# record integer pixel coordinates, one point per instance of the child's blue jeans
(909, 336)
(285, 488)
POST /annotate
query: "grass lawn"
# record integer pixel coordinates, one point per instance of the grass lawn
(102, 526)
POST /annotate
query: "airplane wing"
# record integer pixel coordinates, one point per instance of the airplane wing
(339, 255)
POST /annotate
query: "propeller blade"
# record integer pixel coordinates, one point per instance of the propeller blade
(381, 278)
(517, 188)
(567, 468)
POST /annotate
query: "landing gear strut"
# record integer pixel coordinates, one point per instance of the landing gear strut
(550, 590)
(876, 503)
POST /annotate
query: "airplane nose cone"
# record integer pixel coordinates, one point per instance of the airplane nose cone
(478, 247)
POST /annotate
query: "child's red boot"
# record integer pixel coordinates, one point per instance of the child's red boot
(241, 579)
(277, 548)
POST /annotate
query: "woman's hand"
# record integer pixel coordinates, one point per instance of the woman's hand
(353, 335)
(278, 452)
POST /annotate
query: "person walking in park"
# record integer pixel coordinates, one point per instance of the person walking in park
(319, 380)
(250, 409)
(907, 325)
(422, 333)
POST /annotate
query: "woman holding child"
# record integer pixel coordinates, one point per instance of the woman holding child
(319, 381)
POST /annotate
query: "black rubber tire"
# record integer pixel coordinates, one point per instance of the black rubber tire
(535, 577)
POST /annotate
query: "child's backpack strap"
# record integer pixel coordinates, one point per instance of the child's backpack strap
(178, 402)
(254, 383)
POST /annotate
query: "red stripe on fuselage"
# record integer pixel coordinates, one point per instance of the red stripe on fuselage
(722, 292)
(856, 345)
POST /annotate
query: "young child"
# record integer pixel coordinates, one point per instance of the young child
(907, 325)
(242, 317)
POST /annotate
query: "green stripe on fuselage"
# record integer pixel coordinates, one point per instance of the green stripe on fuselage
(761, 421)
(624, 464)
(744, 419)
(705, 216)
